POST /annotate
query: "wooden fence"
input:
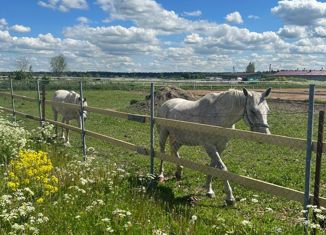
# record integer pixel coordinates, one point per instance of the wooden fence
(214, 131)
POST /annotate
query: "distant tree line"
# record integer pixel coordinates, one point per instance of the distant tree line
(59, 68)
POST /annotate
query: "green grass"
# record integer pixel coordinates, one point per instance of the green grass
(166, 206)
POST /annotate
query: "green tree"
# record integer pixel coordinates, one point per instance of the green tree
(58, 64)
(250, 67)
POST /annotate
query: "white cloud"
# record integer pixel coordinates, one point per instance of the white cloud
(193, 38)
(193, 13)
(64, 5)
(234, 17)
(301, 12)
(320, 31)
(83, 20)
(253, 17)
(116, 39)
(20, 28)
(3, 24)
(141, 12)
(292, 31)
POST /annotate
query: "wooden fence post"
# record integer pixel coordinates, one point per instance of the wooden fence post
(318, 163)
(39, 102)
(152, 131)
(82, 121)
(43, 104)
(12, 101)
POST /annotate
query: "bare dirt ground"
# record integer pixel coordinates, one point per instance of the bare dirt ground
(298, 94)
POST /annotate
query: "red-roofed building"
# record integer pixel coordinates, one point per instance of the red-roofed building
(307, 74)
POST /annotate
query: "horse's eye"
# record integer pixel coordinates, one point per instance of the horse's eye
(252, 112)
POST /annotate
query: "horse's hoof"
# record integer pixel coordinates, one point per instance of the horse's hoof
(210, 195)
(230, 202)
(67, 144)
(160, 179)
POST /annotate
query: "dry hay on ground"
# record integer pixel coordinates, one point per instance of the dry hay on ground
(160, 96)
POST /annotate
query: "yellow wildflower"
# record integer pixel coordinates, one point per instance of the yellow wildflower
(40, 200)
(33, 170)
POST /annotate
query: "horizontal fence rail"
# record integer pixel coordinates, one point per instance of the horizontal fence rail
(214, 131)
(260, 185)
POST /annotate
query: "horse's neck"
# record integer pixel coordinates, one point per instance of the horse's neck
(226, 110)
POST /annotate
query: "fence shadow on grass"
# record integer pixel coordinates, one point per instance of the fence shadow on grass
(165, 196)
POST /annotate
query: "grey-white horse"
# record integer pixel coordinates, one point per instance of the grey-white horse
(67, 113)
(223, 109)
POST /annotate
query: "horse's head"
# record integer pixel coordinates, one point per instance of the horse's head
(85, 105)
(256, 110)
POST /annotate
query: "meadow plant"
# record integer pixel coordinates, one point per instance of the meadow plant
(320, 218)
(12, 139)
(44, 135)
(33, 170)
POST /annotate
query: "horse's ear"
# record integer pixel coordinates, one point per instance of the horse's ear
(245, 91)
(84, 99)
(267, 92)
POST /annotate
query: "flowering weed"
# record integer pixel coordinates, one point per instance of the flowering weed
(32, 169)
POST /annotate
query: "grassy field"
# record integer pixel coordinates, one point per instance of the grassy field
(110, 194)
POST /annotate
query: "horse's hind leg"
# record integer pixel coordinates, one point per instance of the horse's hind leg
(163, 137)
(216, 161)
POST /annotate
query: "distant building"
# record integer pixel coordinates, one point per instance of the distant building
(242, 75)
(307, 74)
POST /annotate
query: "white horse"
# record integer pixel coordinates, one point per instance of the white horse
(223, 109)
(63, 96)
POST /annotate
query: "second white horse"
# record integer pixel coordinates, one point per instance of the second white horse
(67, 113)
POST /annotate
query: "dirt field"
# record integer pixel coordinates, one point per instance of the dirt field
(283, 94)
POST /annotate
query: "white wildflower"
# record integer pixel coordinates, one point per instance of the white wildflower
(106, 220)
(254, 200)
(269, 209)
(246, 223)
(193, 219)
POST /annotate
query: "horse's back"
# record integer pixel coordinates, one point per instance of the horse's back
(174, 107)
(64, 96)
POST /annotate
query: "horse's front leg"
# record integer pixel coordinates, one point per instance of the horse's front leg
(63, 130)
(175, 146)
(67, 134)
(216, 161)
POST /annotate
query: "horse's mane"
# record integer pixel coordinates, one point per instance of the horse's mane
(229, 98)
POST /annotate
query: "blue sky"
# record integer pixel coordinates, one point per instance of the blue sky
(163, 35)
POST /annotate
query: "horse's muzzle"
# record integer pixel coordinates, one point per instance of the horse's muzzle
(261, 129)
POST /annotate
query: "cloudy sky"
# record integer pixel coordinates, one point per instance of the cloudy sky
(164, 35)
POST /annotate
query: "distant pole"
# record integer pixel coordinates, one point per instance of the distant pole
(309, 150)
(43, 103)
(12, 101)
(82, 121)
(152, 131)
(318, 162)
(39, 102)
